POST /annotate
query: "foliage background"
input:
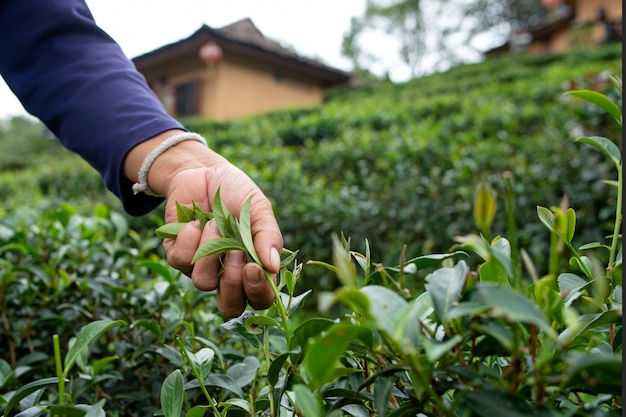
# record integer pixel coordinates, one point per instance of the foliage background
(395, 164)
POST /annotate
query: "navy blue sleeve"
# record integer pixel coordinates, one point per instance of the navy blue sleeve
(72, 76)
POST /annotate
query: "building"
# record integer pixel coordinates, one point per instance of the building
(569, 24)
(232, 72)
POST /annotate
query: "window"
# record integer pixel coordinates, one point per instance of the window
(187, 98)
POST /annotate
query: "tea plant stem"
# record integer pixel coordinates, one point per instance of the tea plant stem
(268, 361)
(212, 402)
(59, 368)
(279, 306)
(618, 224)
(509, 197)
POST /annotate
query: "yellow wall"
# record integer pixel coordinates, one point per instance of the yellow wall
(587, 11)
(234, 87)
(586, 29)
(239, 88)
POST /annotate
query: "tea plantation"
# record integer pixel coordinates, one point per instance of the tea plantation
(380, 191)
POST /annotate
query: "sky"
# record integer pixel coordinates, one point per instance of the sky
(314, 28)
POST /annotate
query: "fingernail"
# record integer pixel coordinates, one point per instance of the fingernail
(254, 275)
(275, 259)
(235, 258)
(212, 225)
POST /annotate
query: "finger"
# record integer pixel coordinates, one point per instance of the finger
(231, 299)
(180, 251)
(258, 291)
(268, 240)
(205, 274)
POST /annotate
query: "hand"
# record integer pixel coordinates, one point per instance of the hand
(190, 172)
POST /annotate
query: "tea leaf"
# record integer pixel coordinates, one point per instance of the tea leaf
(599, 100)
(172, 393)
(246, 231)
(216, 246)
(324, 353)
(307, 402)
(169, 230)
(89, 333)
(512, 306)
(222, 217)
(275, 367)
(235, 402)
(435, 350)
(605, 145)
(199, 410)
(310, 328)
(184, 213)
(26, 390)
(490, 403)
(244, 373)
(445, 287)
(255, 324)
(484, 207)
(546, 217)
(597, 373)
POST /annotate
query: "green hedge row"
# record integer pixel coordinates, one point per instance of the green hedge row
(398, 163)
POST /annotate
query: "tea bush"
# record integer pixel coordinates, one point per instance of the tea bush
(94, 323)
(380, 160)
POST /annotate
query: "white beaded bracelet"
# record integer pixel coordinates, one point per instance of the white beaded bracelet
(142, 178)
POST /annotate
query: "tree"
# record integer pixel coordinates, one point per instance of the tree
(434, 34)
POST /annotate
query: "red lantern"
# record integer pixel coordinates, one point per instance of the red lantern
(551, 4)
(210, 52)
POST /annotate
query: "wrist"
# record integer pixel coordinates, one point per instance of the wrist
(152, 164)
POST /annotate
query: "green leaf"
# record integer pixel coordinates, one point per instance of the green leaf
(246, 230)
(244, 373)
(236, 402)
(222, 381)
(310, 328)
(255, 324)
(305, 401)
(490, 403)
(324, 353)
(588, 322)
(389, 312)
(513, 307)
(598, 373)
(217, 246)
(67, 411)
(184, 213)
(291, 256)
(445, 286)
(435, 350)
(547, 217)
(484, 207)
(570, 225)
(222, 217)
(353, 298)
(571, 286)
(605, 145)
(172, 394)
(599, 100)
(88, 334)
(422, 262)
(198, 411)
(96, 410)
(273, 373)
(202, 361)
(169, 230)
(26, 390)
